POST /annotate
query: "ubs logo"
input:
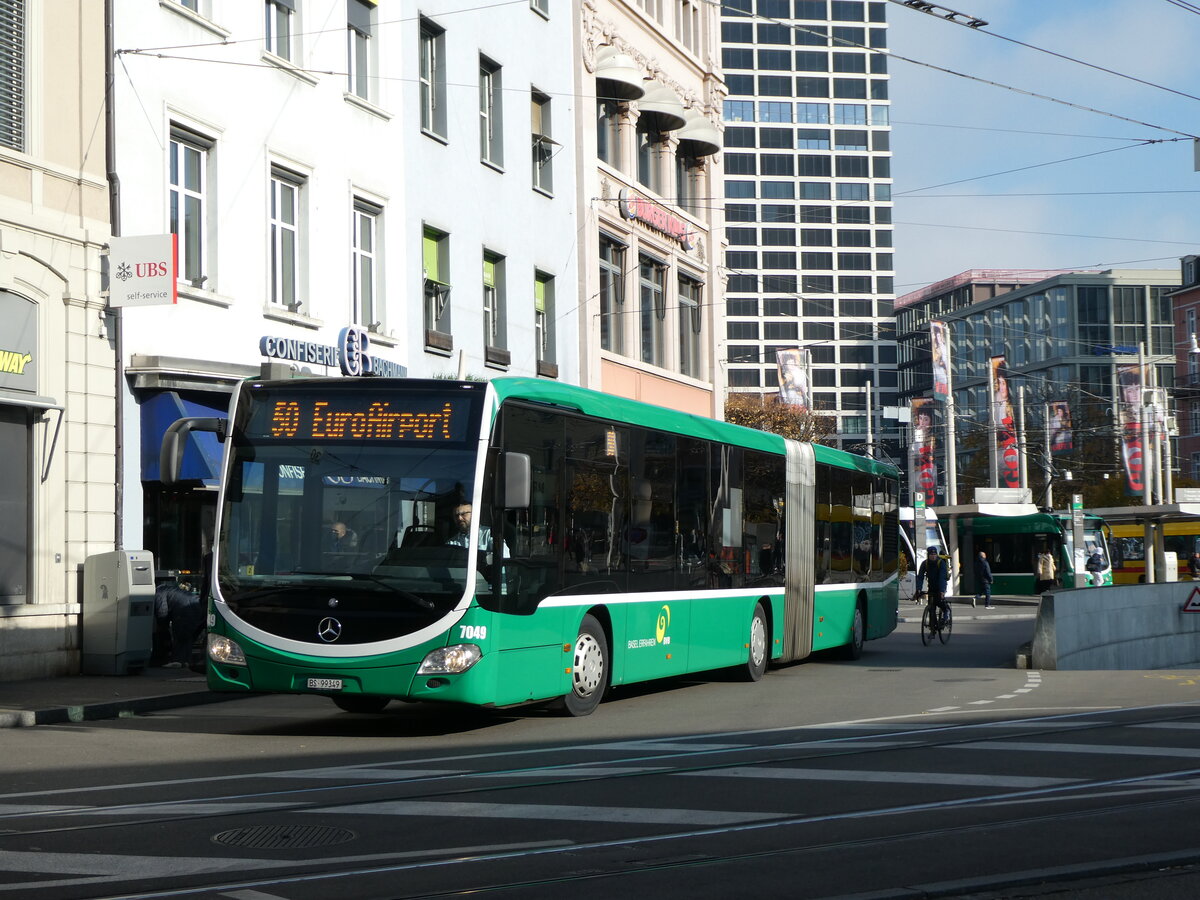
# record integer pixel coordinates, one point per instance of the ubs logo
(329, 629)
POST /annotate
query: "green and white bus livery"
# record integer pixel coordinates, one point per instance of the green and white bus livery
(518, 540)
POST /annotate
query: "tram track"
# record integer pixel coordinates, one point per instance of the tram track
(519, 778)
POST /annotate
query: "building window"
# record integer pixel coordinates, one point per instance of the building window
(688, 174)
(653, 309)
(285, 237)
(691, 293)
(543, 320)
(738, 111)
(608, 132)
(432, 78)
(687, 24)
(491, 134)
(364, 254)
(649, 151)
(12, 74)
(494, 316)
(278, 32)
(358, 48)
(541, 7)
(612, 295)
(188, 167)
(543, 144)
(435, 277)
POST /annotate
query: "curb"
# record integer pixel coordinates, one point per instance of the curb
(110, 709)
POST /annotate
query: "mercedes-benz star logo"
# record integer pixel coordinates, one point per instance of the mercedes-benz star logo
(329, 629)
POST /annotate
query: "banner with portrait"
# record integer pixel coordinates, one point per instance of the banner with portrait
(939, 348)
(1132, 380)
(1062, 435)
(921, 452)
(1004, 423)
(794, 387)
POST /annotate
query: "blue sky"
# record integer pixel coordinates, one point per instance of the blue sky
(947, 128)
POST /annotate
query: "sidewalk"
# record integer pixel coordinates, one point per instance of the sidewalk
(81, 698)
(1006, 607)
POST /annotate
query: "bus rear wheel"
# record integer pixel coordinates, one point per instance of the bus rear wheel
(589, 669)
(360, 703)
(854, 649)
(756, 659)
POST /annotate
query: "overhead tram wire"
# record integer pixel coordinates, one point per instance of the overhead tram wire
(916, 62)
(1184, 5)
(929, 9)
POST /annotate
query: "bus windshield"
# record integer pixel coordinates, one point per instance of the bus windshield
(352, 500)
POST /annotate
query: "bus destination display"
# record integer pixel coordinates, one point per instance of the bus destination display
(342, 416)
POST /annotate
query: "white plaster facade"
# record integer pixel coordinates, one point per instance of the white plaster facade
(269, 120)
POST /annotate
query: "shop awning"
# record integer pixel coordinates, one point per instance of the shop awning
(202, 452)
(618, 76)
(699, 137)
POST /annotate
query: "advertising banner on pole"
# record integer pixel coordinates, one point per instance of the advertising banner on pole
(142, 270)
(793, 378)
(1062, 436)
(1131, 379)
(923, 448)
(1004, 422)
(939, 347)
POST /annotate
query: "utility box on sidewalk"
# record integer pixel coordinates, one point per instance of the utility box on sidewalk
(118, 612)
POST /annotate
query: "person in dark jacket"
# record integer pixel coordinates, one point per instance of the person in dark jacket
(983, 581)
(1194, 566)
(935, 571)
(180, 620)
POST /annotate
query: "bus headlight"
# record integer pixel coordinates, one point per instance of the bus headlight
(223, 650)
(450, 660)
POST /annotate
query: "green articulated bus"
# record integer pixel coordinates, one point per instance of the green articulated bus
(519, 540)
(1014, 542)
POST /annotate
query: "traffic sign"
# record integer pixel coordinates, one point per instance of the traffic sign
(1193, 602)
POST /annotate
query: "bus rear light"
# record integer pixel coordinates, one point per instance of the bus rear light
(450, 660)
(223, 650)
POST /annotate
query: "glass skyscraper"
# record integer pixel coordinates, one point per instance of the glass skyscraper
(808, 211)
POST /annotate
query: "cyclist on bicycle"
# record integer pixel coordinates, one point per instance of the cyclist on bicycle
(936, 568)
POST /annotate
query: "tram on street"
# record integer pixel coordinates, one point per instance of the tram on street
(1014, 542)
(1129, 548)
(518, 540)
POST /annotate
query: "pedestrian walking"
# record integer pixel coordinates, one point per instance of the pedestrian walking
(1044, 572)
(1194, 566)
(983, 581)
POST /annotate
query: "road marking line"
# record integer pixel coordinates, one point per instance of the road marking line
(980, 702)
(945, 709)
(1024, 690)
(1006, 697)
(1107, 749)
(932, 779)
(558, 812)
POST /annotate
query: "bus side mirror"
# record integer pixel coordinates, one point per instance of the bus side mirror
(174, 442)
(515, 481)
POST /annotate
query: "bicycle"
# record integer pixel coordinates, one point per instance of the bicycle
(942, 627)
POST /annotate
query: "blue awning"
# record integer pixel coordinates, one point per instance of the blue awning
(202, 452)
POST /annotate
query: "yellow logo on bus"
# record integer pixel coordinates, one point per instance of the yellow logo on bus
(664, 621)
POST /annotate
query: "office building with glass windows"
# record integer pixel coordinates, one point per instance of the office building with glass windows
(807, 197)
(1064, 336)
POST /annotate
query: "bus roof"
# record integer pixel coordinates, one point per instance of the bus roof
(633, 412)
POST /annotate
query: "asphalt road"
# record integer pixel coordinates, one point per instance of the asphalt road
(914, 771)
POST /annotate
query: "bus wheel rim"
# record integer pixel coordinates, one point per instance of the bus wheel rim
(589, 665)
(758, 640)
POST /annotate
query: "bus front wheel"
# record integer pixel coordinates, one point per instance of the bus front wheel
(756, 660)
(589, 669)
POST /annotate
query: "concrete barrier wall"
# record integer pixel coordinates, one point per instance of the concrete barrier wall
(1136, 626)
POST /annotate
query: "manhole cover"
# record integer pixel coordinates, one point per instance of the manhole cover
(284, 837)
